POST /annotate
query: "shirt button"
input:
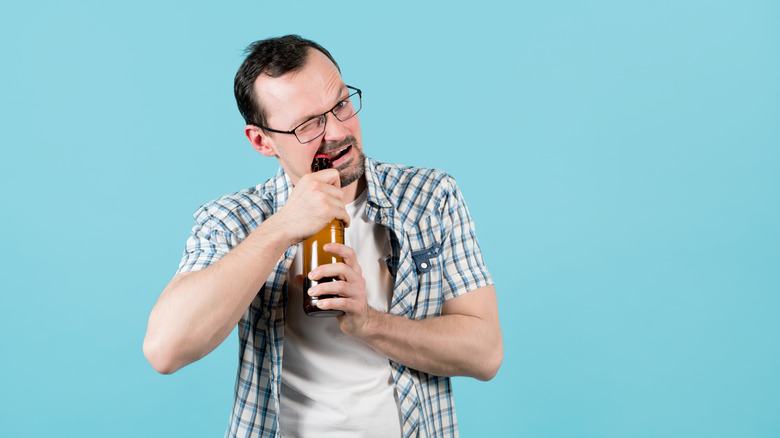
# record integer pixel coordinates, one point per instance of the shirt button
(423, 265)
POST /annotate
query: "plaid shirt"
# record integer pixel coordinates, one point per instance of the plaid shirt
(435, 256)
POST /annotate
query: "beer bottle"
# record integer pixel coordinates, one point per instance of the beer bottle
(314, 255)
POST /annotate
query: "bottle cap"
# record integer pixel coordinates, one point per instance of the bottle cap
(321, 161)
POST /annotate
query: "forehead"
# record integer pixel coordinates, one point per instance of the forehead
(296, 96)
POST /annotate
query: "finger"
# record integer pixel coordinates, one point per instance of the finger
(346, 253)
(354, 289)
(340, 295)
(329, 176)
(335, 303)
(339, 271)
(319, 192)
(346, 220)
(334, 199)
(351, 307)
(340, 213)
(332, 288)
(323, 200)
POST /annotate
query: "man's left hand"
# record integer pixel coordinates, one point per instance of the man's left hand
(350, 289)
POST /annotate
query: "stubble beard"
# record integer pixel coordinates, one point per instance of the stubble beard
(352, 171)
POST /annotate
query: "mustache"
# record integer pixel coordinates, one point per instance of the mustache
(333, 146)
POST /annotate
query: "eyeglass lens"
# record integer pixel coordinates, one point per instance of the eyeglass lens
(343, 111)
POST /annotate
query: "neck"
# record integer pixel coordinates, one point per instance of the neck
(352, 191)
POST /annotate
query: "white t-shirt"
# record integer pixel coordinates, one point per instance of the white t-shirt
(332, 384)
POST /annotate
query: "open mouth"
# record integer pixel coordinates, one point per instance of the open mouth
(335, 155)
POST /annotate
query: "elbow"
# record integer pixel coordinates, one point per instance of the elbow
(159, 357)
(492, 363)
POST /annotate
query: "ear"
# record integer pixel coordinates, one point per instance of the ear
(259, 140)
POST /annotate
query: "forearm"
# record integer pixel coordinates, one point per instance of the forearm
(454, 344)
(441, 346)
(198, 310)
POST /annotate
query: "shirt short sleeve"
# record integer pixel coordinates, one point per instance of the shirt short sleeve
(210, 241)
(463, 266)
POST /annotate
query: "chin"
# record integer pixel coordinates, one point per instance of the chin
(353, 171)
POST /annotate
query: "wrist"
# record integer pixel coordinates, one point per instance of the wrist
(275, 231)
(371, 330)
(270, 237)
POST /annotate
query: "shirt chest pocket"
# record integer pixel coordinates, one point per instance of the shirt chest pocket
(425, 244)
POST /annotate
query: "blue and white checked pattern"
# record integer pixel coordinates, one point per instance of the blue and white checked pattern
(435, 256)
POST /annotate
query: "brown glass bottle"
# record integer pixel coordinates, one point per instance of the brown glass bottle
(314, 255)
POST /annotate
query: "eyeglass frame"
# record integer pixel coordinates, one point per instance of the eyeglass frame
(360, 101)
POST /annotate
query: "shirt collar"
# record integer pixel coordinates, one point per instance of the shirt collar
(376, 192)
(282, 186)
(377, 196)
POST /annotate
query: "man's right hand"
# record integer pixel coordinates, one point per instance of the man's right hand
(314, 202)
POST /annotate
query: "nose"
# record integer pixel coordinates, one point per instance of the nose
(334, 129)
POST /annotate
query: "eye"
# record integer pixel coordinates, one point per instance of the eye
(344, 107)
(311, 125)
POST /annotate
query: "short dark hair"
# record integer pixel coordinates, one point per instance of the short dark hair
(272, 57)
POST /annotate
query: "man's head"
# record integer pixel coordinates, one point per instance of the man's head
(273, 57)
(283, 83)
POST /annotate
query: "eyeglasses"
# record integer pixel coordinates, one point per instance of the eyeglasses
(315, 126)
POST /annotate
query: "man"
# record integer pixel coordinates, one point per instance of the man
(418, 302)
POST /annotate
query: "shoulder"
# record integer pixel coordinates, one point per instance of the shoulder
(403, 179)
(241, 211)
(412, 189)
(395, 173)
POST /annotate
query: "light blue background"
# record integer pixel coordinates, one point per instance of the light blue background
(620, 160)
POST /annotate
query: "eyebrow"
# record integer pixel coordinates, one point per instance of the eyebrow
(305, 119)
